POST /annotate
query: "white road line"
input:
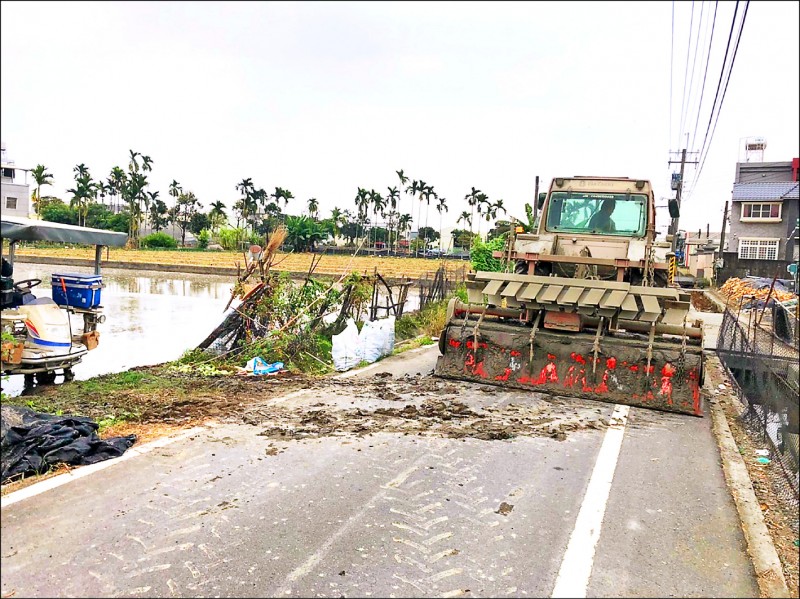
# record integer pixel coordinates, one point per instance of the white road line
(62, 479)
(576, 567)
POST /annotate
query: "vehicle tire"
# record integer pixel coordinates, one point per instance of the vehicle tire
(45, 378)
(69, 374)
(521, 267)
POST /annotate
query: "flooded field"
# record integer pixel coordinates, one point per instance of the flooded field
(151, 317)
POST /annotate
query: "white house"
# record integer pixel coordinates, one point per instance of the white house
(15, 195)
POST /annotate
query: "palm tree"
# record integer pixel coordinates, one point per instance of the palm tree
(392, 199)
(362, 203)
(336, 218)
(403, 181)
(441, 205)
(150, 199)
(175, 190)
(378, 204)
(403, 223)
(313, 207)
(41, 177)
(482, 201)
(116, 180)
(82, 193)
(217, 214)
(133, 166)
(426, 194)
(146, 163)
(472, 200)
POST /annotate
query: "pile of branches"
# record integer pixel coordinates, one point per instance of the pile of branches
(277, 315)
(735, 288)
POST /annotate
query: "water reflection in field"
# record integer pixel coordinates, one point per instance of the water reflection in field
(151, 317)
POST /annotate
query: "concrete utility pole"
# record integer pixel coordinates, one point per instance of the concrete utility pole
(721, 245)
(673, 227)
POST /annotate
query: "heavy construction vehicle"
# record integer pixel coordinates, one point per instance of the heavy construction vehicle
(584, 307)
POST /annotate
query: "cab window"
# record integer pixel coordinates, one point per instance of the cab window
(571, 212)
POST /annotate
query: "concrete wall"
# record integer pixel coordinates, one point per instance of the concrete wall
(754, 172)
(755, 229)
(734, 267)
(17, 190)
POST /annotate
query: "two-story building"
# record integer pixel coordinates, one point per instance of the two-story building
(764, 210)
(15, 194)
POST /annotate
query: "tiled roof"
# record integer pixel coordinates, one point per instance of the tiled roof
(773, 190)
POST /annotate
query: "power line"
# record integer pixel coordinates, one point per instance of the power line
(686, 71)
(694, 63)
(671, 55)
(721, 75)
(725, 91)
(708, 59)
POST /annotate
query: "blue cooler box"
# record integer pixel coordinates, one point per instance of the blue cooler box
(77, 290)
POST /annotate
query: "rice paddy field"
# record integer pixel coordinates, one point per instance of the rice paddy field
(334, 265)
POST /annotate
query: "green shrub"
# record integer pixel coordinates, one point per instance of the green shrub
(203, 238)
(158, 240)
(480, 256)
(702, 282)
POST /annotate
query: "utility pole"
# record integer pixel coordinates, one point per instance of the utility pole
(721, 261)
(535, 199)
(673, 227)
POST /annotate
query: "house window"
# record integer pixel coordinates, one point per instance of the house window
(11, 203)
(758, 249)
(761, 211)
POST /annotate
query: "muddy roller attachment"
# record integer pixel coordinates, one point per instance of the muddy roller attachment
(607, 341)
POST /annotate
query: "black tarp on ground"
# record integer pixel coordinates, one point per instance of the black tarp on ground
(32, 442)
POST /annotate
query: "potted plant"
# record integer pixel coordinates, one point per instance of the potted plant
(11, 349)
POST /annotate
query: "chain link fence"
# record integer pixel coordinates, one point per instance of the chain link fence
(760, 349)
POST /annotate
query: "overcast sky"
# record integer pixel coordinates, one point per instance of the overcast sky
(324, 97)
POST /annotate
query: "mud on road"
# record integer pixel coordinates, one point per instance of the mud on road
(420, 405)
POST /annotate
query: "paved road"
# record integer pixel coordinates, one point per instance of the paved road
(632, 509)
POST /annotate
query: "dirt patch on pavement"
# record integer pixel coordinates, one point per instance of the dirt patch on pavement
(702, 304)
(418, 405)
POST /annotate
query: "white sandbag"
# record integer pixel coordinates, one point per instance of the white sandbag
(346, 347)
(388, 328)
(371, 339)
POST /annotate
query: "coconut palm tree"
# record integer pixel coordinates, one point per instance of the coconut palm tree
(40, 177)
(313, 208)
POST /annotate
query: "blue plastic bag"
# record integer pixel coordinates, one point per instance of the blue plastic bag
(260, 366)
